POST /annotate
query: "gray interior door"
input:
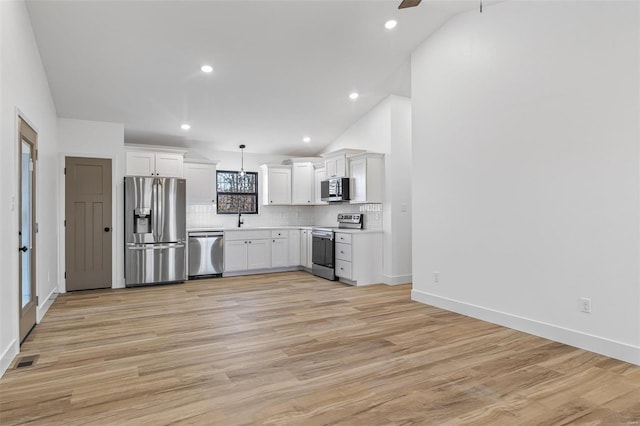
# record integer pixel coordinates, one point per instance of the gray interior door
(27, 235)
(88, 225)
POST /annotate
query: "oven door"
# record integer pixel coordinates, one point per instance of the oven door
(322, 250)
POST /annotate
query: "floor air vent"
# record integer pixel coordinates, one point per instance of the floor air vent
(26, 361)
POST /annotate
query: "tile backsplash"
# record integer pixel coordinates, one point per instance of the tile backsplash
(204, 215)
(328, 215)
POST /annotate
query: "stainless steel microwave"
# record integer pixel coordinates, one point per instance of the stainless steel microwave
(335, 189)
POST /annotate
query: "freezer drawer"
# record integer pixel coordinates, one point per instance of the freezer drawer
(147, 264)
(206, 257)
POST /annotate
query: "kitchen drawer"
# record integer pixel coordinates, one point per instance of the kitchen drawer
(343, 238)
(343, 269)
(247, 235)
(343, 251)
(279, 233)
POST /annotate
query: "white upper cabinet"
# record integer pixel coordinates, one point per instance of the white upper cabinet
(142, 162)
(303, 179)
(367, 178)
(169, 165)
(318, 177)
(201, 182)
(302, 183)
(276, 184)
(335, 163)
(335, 166)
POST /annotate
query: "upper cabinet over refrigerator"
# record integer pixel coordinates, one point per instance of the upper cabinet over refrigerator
(155, 230)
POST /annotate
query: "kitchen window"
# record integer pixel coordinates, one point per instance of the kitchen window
(237, 193)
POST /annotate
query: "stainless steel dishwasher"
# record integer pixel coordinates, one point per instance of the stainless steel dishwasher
(206, 254)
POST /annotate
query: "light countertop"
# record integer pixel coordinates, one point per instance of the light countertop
(257, 228)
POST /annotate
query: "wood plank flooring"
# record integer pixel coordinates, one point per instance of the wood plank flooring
(293, 349)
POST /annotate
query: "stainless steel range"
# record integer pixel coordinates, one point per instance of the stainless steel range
(323, 256)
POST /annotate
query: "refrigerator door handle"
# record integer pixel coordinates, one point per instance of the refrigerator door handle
(154, 246)
(154, 202)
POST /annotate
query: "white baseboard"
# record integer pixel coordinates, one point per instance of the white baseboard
(262, 271)
(397, 279)
(600, 345)
(8, 356)
(44, 307)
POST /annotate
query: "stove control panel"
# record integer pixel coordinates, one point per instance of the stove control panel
(350, 220)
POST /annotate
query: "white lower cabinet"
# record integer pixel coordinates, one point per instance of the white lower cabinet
(306, 248)
(279, 253)
(279, 248)
(259, 254)
(294, 247)
(359, 257)
(247, 250)
(235, 256)
(343, 269)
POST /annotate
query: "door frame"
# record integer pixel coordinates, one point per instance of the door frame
(117, 188)
(20, 117)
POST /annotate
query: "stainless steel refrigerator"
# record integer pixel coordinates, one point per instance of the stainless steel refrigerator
(155, 230)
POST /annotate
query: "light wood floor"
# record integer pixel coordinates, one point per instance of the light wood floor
(294, 349)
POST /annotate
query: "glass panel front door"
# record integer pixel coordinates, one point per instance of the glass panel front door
(26, 220)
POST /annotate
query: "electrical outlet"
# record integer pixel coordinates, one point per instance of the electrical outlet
(585, 305)
(436, 277)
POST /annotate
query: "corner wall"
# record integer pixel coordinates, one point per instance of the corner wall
(525, 129)
(25, 90)
(387, 129)
(94, 139)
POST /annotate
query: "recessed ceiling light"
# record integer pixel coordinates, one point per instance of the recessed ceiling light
(206, 68)
(306, 139)
(185, 127)
(390, 24)
(353, 96)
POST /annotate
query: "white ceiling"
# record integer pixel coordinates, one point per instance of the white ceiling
(282, 69)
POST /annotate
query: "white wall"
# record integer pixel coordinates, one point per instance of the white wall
(525, 130)
(95, 139)
(387, 129)
(398, 193)
(24, 89)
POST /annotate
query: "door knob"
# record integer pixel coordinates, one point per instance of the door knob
(107, 229)
(23, 249)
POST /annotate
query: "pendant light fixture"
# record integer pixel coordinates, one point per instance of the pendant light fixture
(242, 173)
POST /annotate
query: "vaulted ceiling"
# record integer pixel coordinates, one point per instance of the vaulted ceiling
(282, 70)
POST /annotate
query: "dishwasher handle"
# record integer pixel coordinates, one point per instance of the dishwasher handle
(206, 235)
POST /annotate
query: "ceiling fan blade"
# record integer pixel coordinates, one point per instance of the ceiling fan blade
(409, 3)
